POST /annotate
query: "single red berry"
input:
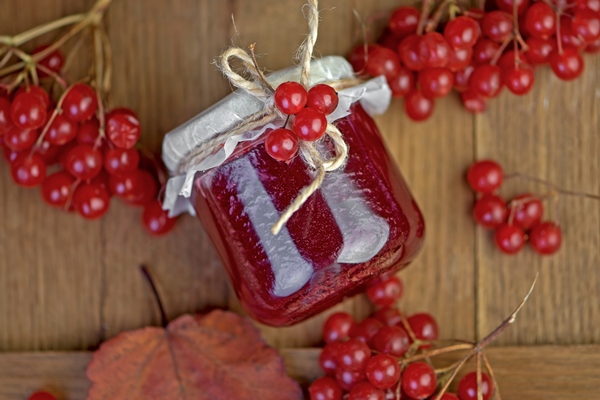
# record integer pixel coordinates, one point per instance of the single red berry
(417, 106)
(459, 59)
(526, 210)
(123, 128)
(83, 161)
(436, 82)
(490, 211)
(497, 26)
(386, 292)
(507, 6)
(281, 144)
(91, 201)
(80, 103)
(310, 125)
(328, 359)
(473, 102)
(42, 395)
(484, 50)
(28, 111)
(424, 326)
(434, 50)
(353, 355)
(567, 65)
(461, 32)
(38, 91)
(325, 388)
(348, 379)
(467, 387)
(540, 20)
(389, 316)
(545, 238)
(510, 239)
(28, 170)
(18, 139)
(485, 176)
(365, 329)
(462, 77)
(404, 21)
(408, 51)
(290, 97)
(5, 118)
(540, 49)
(403, 83)
(53, 61)
(61, 131)
(323, 98)
(365, 391)
(337, 327)
(419, 380)
(518, 80)
(145, 189)
(57, 189)
(392, 340)
(156, 220)
(89, 132)
(486, 80)
(383, 371)
(586, 24)
(382, 61)
(568, 37)
(118, 161)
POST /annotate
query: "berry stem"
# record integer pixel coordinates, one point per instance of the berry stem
(163, 316)
(490, 372)
(479, 379)
(56, 111)
(516, 31)
(436, 352)
(26, 36)
(258, 71)
(99, 81)
(553, 186)
(425, 8)
(500, 50)
(437, 17)
(558, 32)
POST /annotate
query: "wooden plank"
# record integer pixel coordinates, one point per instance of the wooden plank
(552, 133)
(533, 373)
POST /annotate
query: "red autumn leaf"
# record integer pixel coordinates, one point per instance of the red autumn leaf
(215, 356)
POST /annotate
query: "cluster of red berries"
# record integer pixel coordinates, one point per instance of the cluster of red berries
(516, 223)
(42, 395)
(365, 359)
(78, 162)
(472, 53)
(310, 122)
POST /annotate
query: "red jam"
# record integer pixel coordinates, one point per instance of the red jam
(362, 222)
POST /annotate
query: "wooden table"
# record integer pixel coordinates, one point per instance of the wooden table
(67, 284)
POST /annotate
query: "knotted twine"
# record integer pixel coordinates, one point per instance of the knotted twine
(257, 86)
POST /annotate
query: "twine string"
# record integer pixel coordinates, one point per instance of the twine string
(259, 88)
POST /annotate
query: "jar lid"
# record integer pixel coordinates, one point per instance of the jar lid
(374, 96)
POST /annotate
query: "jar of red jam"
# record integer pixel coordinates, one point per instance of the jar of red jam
(361, 223)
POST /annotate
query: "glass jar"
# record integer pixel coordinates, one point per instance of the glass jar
(361, 223)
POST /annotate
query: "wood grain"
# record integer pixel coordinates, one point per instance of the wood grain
(533, 373)
(67, 284)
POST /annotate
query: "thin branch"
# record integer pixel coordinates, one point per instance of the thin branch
(163, 316)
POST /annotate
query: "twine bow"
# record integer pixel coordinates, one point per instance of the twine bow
(257, 86)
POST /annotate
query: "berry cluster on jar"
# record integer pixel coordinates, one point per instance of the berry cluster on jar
(372, 359)
(477, 51)
(515, 223)
(309, 108)
(78, 154)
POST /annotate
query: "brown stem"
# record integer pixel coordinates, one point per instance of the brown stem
(437, 17)
(56, 111)
(490, 372)
(163, 315)
(479, 378)
(6, 58)
(26, 36)
(258, 71)
(99, 80)
(425, 7)
(553, 186)
(558, 33)
(500, 50)
(53, 74)
(436, 352)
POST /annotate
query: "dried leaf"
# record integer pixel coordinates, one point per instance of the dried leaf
(215, 356)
